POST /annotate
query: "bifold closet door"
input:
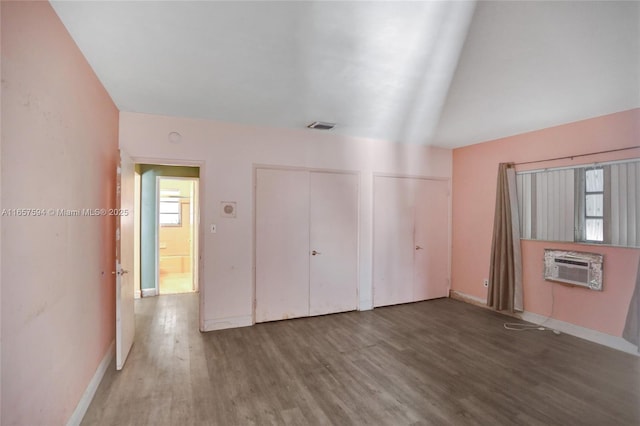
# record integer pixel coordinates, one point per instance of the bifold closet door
(282, 244)
(411, 228)
(431, 235)
(333, 234)
(306, 243)
(394, 211)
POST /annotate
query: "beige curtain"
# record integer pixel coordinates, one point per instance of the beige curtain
(631, 331)
(505, 274)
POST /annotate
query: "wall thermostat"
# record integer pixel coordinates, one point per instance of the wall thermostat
(228, 209)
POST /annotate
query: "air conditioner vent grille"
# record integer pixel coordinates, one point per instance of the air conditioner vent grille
(572, 262)
(573, 275)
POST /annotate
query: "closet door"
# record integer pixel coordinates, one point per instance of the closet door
(333, 246)
(431, 236)
(282, 244)
(393, 217)
(411, 228)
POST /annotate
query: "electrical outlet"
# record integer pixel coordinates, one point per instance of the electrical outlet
(485, 282)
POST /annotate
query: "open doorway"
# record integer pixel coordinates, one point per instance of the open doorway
(168, 229)
(177, 235)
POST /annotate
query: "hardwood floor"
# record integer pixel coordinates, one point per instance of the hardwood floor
(441, 362)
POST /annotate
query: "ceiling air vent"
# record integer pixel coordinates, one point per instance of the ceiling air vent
(321, 125)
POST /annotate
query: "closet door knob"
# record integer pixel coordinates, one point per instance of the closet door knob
(313, 253)
(418, 248)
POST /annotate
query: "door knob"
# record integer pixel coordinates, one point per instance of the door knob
(418, 248)
(313, 253)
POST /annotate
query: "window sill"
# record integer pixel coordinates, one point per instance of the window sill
(582, 243)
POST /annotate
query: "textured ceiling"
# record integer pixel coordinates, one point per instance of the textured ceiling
(398, 71)
(531, 65)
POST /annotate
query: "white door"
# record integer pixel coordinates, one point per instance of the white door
(125, 318)
(282, 244)
(411, 228)
(394, 212)
(431, 236)
(333, 278)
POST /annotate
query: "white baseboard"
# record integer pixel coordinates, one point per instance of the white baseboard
(90, 391)
(565, 327)
(137, 294)
(474, 300)
(229, 322)
(584, 333)
(149, 292)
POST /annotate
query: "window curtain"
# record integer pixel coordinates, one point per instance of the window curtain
(505, 274)
(631, 331)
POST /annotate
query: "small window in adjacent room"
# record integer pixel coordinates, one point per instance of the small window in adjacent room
(594, 205)
(170, 208)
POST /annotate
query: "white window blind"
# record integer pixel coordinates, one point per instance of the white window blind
(546, 205)
(170, 211)
(624, 220)
(597, 203)
(555, 203)
(526, 202)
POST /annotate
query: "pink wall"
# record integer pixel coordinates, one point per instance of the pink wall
(227, 154)
(59, 150)
(474, 180)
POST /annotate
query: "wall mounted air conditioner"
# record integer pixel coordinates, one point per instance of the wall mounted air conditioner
(574, 268)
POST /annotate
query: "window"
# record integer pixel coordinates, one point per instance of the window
(592, 204)
(169, 213)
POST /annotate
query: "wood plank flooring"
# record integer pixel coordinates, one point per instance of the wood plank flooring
(440, 362)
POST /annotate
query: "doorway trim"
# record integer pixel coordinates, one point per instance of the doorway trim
(201, 165)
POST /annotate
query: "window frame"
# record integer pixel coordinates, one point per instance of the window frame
(169, 201)
(583, 206)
